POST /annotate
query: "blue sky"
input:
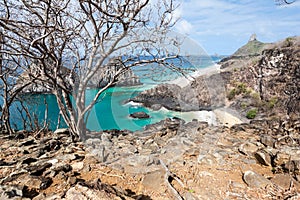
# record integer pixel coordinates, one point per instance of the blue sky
(222, 26)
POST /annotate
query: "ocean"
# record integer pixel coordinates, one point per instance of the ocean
(113, 109)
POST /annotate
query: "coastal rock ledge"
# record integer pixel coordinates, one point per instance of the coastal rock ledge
(204, 93)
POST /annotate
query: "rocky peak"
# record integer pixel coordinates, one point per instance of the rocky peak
(252, 38)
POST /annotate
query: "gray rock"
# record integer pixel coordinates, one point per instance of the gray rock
(77, 166)
(10, 192)
(156, 107)
(267, 140)
(40, 196)
(85, 193)
(207, 159)
(72, 180)
(62, 131)
(248, 148)
(255, 180)
(190, 196)
(140, 160)
(153, 180)
(45, 183)
(293, 166)
(38, 169)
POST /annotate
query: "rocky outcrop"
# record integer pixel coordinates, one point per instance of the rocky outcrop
(107, 73)
(270, 81)
(204, 93)
(140, 115)
(65, 76)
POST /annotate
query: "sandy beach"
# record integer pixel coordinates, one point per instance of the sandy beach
(221, 116)
(227, 118)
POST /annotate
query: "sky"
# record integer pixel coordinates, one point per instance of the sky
(222, 26)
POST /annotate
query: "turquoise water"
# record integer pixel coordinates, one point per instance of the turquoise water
(111, 111)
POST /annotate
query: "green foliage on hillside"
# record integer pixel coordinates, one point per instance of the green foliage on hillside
(254, 47)
(251, 114)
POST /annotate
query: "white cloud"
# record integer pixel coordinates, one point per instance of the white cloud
(230, 23)
(184, 27)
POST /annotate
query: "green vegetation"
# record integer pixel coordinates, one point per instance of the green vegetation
(251, 114)
(240, 88)
(272, 102)
(255, 95)
(244, 105)
(231, 94)
(289, 42)
(191, 191)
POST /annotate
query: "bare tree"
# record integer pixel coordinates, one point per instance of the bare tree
(282, 2)
(68, 42)
(10, 69)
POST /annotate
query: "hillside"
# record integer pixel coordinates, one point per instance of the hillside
(253, 47)
(266, 83)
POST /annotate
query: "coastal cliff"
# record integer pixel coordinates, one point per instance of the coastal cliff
(66, 77)
(204, 93)
(107, 73)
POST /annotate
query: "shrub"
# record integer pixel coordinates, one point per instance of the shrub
(251, 114)
(244, 105)
(255, 96)
(241, 88)
(272, 102)
(288, 42)
(231, 94)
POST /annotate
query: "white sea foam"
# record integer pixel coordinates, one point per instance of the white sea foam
(207, 116)
(134, 104)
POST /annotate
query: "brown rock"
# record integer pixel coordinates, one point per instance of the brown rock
(281, 158)
(255, 180)
(263, 157)
(154, 180)
(284, 181)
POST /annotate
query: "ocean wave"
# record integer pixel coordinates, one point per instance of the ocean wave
(133, 104)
